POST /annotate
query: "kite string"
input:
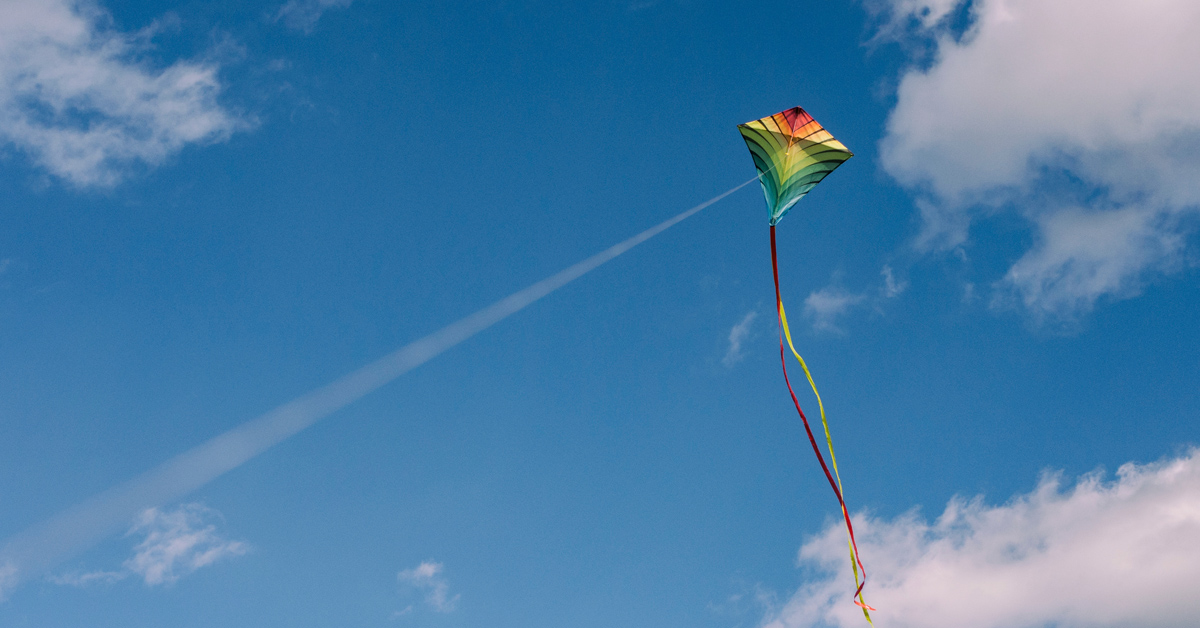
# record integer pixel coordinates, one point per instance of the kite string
(855, 560)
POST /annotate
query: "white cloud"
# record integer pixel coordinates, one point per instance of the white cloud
(1082, 254)
(427, 577)
(1099, 554)
(737, 336)
(177, 543)
(826, 305)
(79, 100)
(968, 293)
(1047, 106)
(750, 600)
(302, 15)
(891, 287)
(901, 15)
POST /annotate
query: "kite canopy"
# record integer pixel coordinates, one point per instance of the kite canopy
(793, 153)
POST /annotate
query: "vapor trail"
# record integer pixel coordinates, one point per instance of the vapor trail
(41, 547)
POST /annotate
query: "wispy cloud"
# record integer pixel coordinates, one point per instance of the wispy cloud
(1081, 255)
(901, 17)
(825, 306)
(303, 15)
(1010, 115)
(968, 292)
(1100, 554)
(892, 288)
(177, 543)
(737, 336)
(750, 600)
(427, 578)
(81, 101)
(174, 544)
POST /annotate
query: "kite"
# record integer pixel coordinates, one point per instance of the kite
(793, 153)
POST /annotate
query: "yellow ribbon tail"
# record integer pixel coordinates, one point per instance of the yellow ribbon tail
(836, 479)
(787, 333)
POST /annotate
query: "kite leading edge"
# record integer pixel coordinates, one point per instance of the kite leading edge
(793, 153)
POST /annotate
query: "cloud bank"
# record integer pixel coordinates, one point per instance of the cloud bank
(1083, 116)
(1099, 554)
(79, 100)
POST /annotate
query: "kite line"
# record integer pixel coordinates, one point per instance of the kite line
(43, 546)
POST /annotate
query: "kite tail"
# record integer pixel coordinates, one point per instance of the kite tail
(855, 561)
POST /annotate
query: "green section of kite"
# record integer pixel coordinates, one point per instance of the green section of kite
(792, 153)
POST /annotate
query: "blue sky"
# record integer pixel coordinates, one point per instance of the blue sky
(211, 208)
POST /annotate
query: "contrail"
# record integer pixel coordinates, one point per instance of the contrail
(42, 547)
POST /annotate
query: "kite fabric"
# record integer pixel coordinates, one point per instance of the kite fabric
(793, 153)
